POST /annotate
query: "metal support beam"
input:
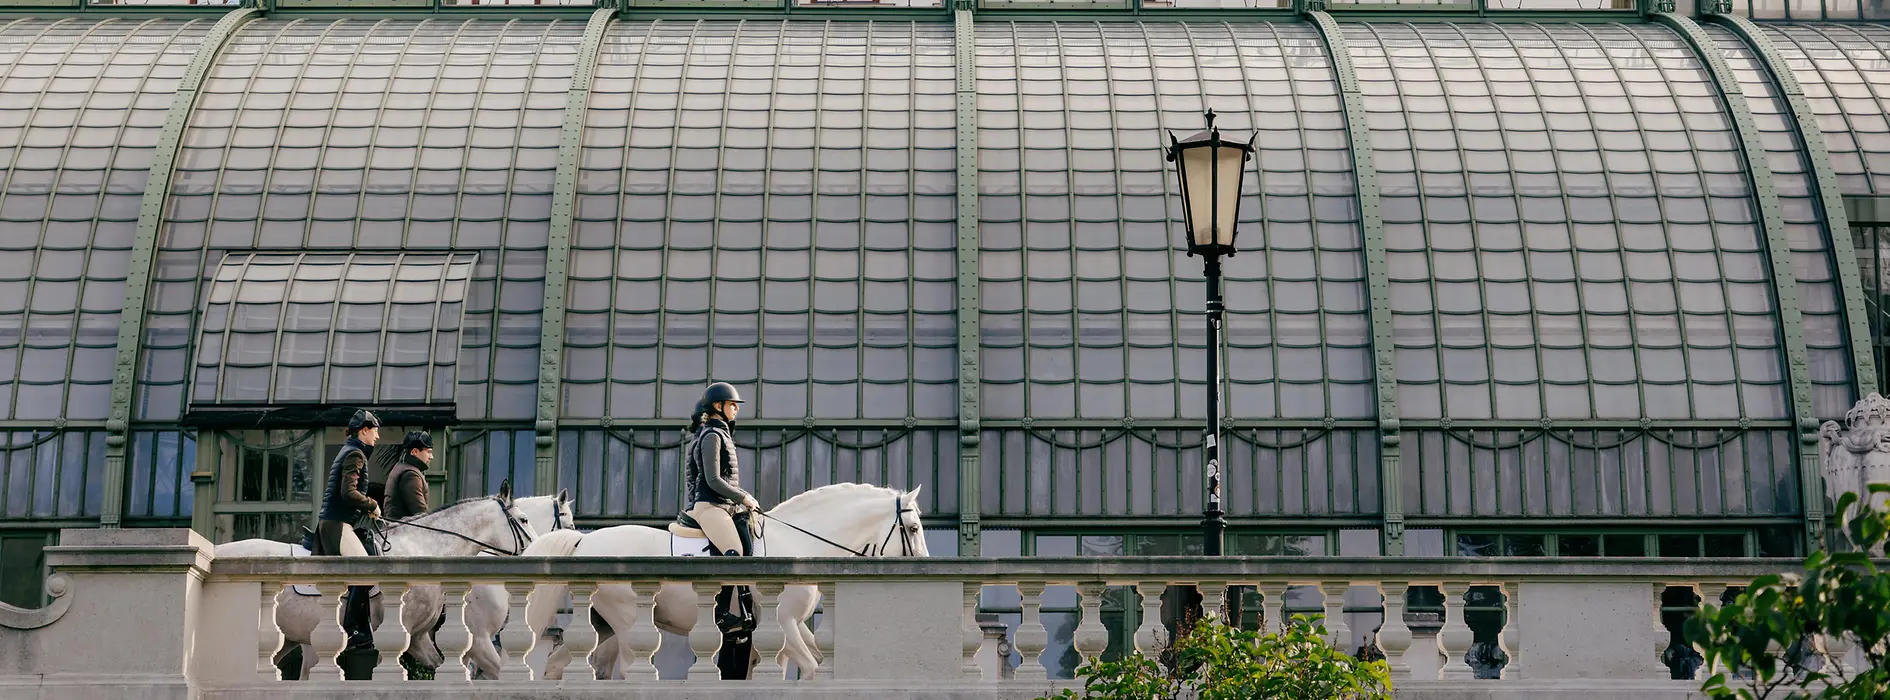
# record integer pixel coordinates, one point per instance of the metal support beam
(1867, 209)
(968, 352)
(157, 190)
(1378, 277)
(558, 254)
(1779, 251)
(1837, 217)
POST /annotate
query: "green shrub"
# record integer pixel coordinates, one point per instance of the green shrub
(1212, 661)
(1765, 643)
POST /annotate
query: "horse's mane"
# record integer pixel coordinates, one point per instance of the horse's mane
(826, 495)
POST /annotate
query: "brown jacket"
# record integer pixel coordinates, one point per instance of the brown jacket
(406, 489)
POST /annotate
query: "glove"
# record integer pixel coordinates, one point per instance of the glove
(749, 501)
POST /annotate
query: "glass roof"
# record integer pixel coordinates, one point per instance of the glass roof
(1570, 226)
(1845, 72)
(366, 329)
(365, 134)
(1812, 262)
(1089, 309)
(772, 203)
(768, 204)
(81, 103)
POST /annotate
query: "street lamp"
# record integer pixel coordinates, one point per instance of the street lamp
(1210, 170)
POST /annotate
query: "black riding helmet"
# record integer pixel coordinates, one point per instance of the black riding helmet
(717, 393)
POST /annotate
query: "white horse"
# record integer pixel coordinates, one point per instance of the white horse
(463, 529)
(486, 611)
(836, 520)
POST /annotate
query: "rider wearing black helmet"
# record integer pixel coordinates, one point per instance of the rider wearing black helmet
(344, 505)
(711, 479)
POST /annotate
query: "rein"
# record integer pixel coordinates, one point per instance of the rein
(899, 512)
(519, 539)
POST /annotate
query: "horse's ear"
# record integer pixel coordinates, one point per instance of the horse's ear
(505, 490)
(914, 493)
(564, 495)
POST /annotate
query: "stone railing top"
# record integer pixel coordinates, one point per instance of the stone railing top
(1049, 569)
(130, 549)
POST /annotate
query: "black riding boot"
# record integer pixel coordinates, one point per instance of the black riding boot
(358, 621)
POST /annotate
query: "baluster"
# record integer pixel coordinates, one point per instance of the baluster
(1837, 650)
(1031, 636)
(1273, 605)
(1151, 636)
(268, 637)
(1394, 637)
(453, 638)
(642, 639)
(1511, 638)
(327, 638)
(1710, 592)
(705, 638)
(823, 637)
(1454, 638)
(973, 632)
(516, 635)
(391, 638)
(769, 637)
(1091, 637)
(1338, 633)
(1213, 599)
(580, 637)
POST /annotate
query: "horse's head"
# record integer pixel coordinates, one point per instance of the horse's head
(512, 531)
(548, 513)
(857, 518)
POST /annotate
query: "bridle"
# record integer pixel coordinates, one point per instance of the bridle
(520, 538)
(899, 516)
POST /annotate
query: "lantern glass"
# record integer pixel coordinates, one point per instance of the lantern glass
(1210, 186)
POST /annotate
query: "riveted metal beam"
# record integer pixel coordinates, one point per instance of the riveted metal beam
(969, 487)
(157, 190)
(1837, 216)
(558, 254)
(1378, 278)
(1779, 251)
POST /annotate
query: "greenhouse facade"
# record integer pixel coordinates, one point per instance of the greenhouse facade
(1542, 280)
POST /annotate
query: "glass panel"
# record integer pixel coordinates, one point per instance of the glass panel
(1564, 296)
(1579, 545)
(1624, 545)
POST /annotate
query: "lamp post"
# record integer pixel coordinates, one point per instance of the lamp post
(1210, 170)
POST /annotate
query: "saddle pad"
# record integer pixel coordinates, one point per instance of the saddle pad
(308, 589)
(688, 546)
(699, 546)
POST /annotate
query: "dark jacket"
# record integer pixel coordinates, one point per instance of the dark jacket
(710, 472)
(406, 489)
(343, 501)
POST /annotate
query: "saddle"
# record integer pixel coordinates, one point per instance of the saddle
(735, 605)
(307, 549)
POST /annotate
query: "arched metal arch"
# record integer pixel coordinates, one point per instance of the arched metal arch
(1836, 219)
(157, 189)
(558, 252)
(1378, 279)
(1778, 250)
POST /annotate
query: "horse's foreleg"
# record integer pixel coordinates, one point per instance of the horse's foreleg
(485, 614)
(421, 612)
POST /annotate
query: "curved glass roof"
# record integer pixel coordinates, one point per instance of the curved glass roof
(1845, 72)
(81, 104)
(1570, 226)
(768, 204)
(375, 134)
(1812, 261)
(1089, 309)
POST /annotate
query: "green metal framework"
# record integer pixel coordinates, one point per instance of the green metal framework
(558, 252)
(143, 254)
(1836, 217)
(1378, 280)
(1778, 249)
(969, 486)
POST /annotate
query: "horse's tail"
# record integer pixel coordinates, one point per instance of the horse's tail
(557, 543)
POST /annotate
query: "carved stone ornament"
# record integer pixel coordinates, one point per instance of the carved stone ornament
(1857, 453)
(59, 587)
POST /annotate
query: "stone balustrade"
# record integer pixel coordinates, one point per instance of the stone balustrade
(153, 609)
